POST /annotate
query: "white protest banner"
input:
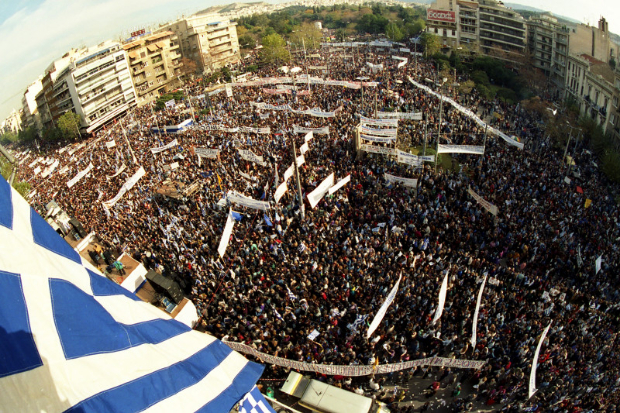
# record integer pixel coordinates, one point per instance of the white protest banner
(379, 139)
(317, 67)
(37, 170)
(380, 132)
(410, 182)
(50, 168)
(476, 150)
(402, 64)
(280, 191)
(304, 148)
(110, 144)
(427, 158)
(289, 172)
(308, 136)
(378, 149)
(229, 91)
(400, 115)
(230, 223)
(170, 104)
(408, 158)
(165, 147)
(80, 175)
(117, 173)
(483, 202)
(315, 196)
(597, 263)
(319, 131)
(314, 334)
(246, 201)
(251, 157)
(300, 160)
(379, 122)
(249, 129)
(319, 113)
(207, 153)
(174, 165)
(131, 181)
(532, 387)
(442, 299)
(340, 184)
(475, 322)
(381, 313)
(216, 91)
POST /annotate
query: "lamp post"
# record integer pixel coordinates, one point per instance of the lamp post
(440, 116)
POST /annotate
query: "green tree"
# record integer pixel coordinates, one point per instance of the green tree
(274, 49)
(393, 32)
(8, 137)
(430, 42)
(247, 41)
(307, 34)
(69, 125)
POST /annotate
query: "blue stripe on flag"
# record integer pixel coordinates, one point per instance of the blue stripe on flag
(229, 397)
(6, 205)
(102, 287)
(86, 328)
(168, 381)
(18, 351)
(46, 237)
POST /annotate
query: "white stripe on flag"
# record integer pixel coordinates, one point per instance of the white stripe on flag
(230, 222)
(532, 388)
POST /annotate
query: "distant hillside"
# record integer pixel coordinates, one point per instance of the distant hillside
(225, 8)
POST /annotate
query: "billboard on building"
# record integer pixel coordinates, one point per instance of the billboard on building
(441, 16)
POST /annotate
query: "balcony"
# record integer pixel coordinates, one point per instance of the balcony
(510, 42)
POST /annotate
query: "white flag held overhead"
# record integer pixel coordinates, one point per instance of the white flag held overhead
(315, 196)
(381, 313)
(280, 191)
(230, 223)
(72, 340)
(475, 322)
(598, 262)
(442, 299)
(532, 388)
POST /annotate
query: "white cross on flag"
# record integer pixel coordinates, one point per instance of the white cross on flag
(72, 340)
(254, 402)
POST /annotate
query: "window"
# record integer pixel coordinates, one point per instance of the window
(453, 32)
(436, 31)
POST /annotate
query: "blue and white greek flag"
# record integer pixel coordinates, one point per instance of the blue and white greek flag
(291, 296)
(71, 340)
(254, 402)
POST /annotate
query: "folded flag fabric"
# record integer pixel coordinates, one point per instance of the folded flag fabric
(72, 340)
(254, 402)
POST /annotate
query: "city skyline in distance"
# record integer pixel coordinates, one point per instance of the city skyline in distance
(37, 32)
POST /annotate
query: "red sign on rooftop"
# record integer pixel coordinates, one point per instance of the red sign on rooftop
(138, 33)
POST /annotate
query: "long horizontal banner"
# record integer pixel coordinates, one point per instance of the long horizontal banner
(378, 149)
(378, 122)
(312, 112)
(126, 187)
(476, 150)
(304, 79)
(165, 147)
(80, 175)
(243, 129)
(319, 131)
(247, 202)
(380, 132)
(483, 202)
(410, 182)
(400, 115)
(469, 113)
(377, 138)
(355, 370)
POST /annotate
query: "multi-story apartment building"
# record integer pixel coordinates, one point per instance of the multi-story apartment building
(548, 43)
(590, 83)
(12, 123)
(486, 26)
(155, 65)
(93, 82)
(613, 126)
(208, 39)
(32, 119)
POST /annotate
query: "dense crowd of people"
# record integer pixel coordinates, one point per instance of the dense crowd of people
(284, 276)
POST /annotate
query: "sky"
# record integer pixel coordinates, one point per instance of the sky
(36, 32)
